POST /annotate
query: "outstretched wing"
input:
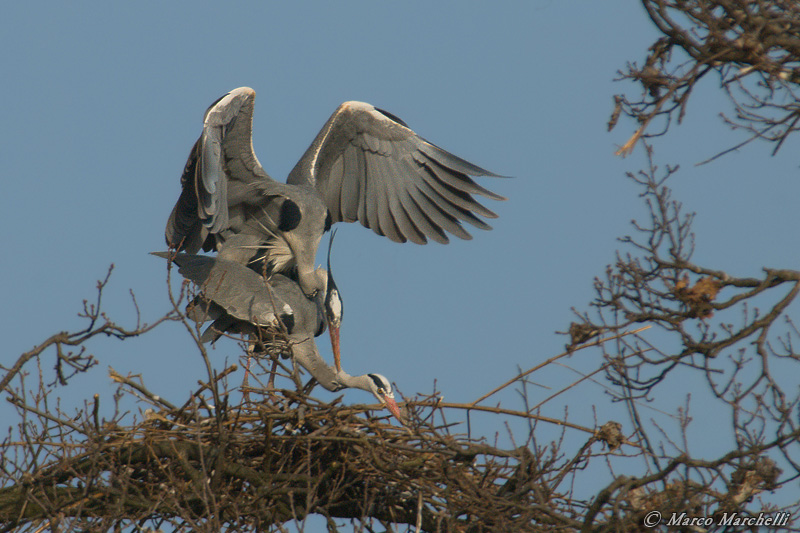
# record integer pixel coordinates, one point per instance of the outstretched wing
(222, 168)
(370, 166)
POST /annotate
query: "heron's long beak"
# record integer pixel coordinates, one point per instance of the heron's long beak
(392, 406)
(334, 333)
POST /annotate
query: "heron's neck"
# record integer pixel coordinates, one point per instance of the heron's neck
(306, 354)
(354, 382)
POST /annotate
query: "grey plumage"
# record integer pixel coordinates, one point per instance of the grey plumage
(239, 300)
(365, 165)
(237, 297)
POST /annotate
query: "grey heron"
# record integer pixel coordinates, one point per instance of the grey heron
(239, 300)
(365, 165)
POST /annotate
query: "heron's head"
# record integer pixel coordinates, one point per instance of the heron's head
(382, 390)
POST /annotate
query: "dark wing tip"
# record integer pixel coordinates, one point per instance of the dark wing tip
(451, 160)
(215, 102)
(494, 196)
(239, 91)
(392, 116)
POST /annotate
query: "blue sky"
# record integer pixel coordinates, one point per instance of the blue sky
(103, 102)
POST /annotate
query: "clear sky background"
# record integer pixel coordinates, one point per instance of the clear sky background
(102, 103)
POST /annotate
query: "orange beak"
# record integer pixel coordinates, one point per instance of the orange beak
(334, 332)
(392, 406)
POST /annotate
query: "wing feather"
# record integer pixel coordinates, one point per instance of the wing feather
(461, 180)
(431, 229)
(240, 291)
(453, 195)
(363, 190)
(405, 223)
(439, 217)
(221, 172)
(369, 166)
(337, 171)
(349, 189)
(419, 217)
(455, 212)
(381, 166)
(212, 189)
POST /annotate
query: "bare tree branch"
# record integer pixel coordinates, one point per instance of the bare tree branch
(753, 47)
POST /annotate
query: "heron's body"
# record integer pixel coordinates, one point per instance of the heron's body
(239, 300)
(365, 165)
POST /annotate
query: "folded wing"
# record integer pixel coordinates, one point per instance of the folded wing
(239, 291)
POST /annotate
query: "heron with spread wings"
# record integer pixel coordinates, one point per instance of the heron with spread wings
(365, 165)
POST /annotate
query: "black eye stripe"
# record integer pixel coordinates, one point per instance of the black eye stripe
(378, 382)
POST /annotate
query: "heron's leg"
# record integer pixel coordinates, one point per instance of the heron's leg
(271, 382)
(251, 347)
